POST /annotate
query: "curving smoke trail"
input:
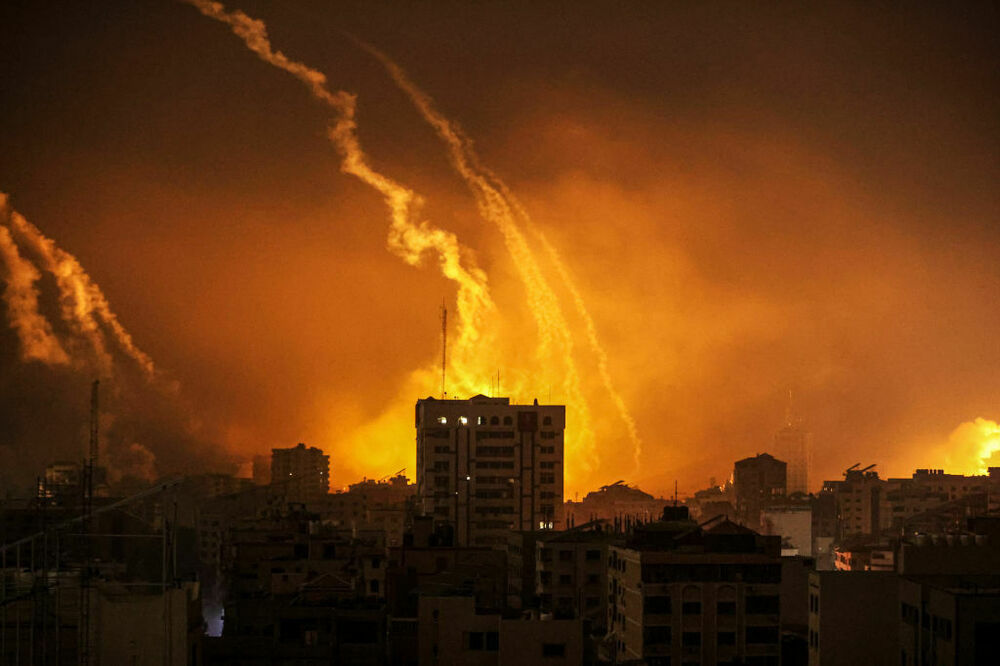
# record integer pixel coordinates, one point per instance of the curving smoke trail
(409, 237)
(38, 341)
(498, 205)
(82, 303)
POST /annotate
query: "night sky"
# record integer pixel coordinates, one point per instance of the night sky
(748, 200)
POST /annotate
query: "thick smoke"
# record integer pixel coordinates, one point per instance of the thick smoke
(62, 334)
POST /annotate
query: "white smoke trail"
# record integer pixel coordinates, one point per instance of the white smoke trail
(38, 341)
(596, 347)
(408, 237)
(498, 205)
(82, 303)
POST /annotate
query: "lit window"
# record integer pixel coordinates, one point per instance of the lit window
(442, 419)
(463, 420)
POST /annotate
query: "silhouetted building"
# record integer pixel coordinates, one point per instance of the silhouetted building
(853, 618)
(571, 574)
(262, 470)
(618, 503)
(451, 631)
(949, 620)
(683, 593)
(757, 482)
(485, 466)
(305, 471)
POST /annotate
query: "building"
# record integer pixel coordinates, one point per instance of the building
(617, 503)
(793, 523)
(306, 471)
(682, 593)
(858, 502)
(757, 482)
(853, 618)
(571, 574)
(451, 631)
(792, 444)
(261, 470)
(949, 620)
(486, 466)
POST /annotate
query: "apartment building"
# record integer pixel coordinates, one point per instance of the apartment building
(681, 593)
(486, 466)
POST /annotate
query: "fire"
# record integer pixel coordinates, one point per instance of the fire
(973, 447)
(411, 238)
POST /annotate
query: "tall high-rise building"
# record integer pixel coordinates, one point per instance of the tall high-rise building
(791, 444)
(486, 466)
(305, 470)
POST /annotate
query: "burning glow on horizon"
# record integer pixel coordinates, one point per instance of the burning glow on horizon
(973, 447)
(411, 238)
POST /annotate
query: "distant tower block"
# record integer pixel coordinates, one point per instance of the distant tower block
(792, 444)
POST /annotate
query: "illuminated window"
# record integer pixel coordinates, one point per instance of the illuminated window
(463, 420)
(442, 419)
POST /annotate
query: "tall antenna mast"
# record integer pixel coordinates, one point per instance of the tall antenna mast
(94, 434)
(444, 350)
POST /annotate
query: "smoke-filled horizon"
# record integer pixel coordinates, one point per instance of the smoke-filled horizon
(664, 219)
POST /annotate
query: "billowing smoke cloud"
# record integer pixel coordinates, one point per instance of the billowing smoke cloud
(972, 448)
(497, 204)
(146, 429)
(38, 342)
(411, 240)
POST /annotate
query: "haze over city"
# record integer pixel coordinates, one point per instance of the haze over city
(666, 220)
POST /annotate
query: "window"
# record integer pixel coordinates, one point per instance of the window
(659, 605)
(691, 638)
(442, 449)
(553, 649)
(440, 481)
(442, 419)
(565, 555)
(726, 608)
(565, 579)
(547, 449)
(761, 605)
(727, 638)
(494, 420)
(593, 555)
(593, 579)
(508, 420)
(373, 586)
(757, 635)
(441, 466)
(691, 608)
(547, 434)
(547, 464)
(656, 635)
(475, 640)
(546, 478)
(592, 602)
(492, 641)
(481, 420)
(547, 420)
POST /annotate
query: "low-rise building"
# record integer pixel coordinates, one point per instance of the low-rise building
(683, 593)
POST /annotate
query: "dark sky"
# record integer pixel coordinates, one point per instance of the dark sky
(751, 199)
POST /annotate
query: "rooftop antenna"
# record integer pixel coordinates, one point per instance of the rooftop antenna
(444, 349)
(788, 409)
(94, 434)
(675, 492)
(498, 383)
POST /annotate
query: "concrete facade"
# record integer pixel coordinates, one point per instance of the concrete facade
(486, 466)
